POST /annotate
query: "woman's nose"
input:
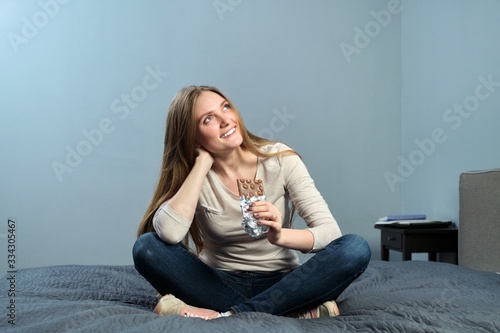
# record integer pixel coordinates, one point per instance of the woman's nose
(224, 121)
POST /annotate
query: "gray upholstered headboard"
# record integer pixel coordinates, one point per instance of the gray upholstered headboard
(479, 220)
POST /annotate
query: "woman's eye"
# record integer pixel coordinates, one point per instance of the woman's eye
(207, 119)
(226, 107)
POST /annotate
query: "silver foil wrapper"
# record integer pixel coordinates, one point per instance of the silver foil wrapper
(250, 224)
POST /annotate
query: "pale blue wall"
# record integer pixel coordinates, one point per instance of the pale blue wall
(301, 72)
(448, 49)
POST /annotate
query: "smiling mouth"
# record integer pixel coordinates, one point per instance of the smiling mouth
(231, 131)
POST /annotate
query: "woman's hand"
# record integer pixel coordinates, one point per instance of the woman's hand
(267, 214)
(270, 216)
(204, 157)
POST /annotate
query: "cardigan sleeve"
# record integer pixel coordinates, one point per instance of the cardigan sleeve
(170, 226)
(309, 203)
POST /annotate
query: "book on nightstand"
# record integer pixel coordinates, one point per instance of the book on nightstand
(411, 221)
(414, 223)
(403, 217)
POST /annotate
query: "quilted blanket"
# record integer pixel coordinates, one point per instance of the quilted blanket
(411, 296)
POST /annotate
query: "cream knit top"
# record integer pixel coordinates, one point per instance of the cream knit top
(226, 245)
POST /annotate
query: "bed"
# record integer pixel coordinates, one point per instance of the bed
(404, 296)
(408, 296)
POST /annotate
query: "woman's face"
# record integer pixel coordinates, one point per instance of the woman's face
(217, 124)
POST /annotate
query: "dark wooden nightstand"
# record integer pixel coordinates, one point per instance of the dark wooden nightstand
(415, 240)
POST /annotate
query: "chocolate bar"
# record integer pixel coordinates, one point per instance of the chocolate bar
(250, 187)
(251, 190)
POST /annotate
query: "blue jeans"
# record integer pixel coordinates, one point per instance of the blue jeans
(172, 269)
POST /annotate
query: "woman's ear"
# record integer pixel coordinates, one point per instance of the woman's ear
(197, 145)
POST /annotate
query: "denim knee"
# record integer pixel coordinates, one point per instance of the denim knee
(139, 245)
(142, 252)
(359, 251)
(353, 250)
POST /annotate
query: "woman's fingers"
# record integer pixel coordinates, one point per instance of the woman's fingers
(265, 210)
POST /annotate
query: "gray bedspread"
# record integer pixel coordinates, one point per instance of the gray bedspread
(409, 296)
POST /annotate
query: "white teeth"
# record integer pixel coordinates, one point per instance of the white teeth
(229, 133)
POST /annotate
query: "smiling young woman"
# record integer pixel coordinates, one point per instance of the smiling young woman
(207, 149)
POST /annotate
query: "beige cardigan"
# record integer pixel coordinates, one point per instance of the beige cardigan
(226, 245)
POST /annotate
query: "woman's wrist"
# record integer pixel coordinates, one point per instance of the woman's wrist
(296, 239)
(204, 160)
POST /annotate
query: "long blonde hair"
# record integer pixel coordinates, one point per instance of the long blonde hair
(179, 154)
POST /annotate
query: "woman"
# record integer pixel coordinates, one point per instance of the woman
(207, 149)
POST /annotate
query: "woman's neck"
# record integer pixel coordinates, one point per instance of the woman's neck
(238, 164)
